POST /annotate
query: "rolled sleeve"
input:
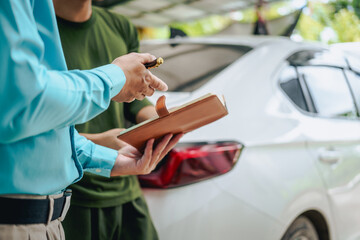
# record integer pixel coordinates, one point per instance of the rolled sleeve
(94, 158)
(116, 76)
(103, 160)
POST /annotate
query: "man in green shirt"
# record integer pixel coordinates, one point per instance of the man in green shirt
(103, 208)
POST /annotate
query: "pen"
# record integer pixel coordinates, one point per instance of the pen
(155, 63)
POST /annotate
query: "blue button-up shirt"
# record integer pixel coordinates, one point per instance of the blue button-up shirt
(40, 99)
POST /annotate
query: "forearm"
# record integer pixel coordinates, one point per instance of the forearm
(146, 113)
(90, 136)
(107, 139)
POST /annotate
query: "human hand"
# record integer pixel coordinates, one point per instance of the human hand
(140, 82)
(131, 162)
(107, 139)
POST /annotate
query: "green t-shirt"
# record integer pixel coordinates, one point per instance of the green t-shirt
(87, 45)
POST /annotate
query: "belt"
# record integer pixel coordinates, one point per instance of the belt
(33, 211)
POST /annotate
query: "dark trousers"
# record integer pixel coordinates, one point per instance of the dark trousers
(129, 221)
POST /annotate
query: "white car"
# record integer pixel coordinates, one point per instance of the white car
(283, 164)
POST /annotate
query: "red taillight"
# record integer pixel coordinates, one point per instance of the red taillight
(189, 163)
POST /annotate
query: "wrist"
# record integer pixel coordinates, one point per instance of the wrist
(117, 169)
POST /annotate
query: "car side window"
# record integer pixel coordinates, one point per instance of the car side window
(329, 91)
(289, 82)
(354, 81)
(353, 62)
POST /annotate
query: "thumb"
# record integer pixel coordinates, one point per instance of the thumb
(146, 57)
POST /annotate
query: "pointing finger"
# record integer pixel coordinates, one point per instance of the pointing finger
(156, 83)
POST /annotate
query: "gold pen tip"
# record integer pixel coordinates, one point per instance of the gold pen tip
(159, 60)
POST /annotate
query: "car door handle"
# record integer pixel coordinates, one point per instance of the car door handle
(329, 155)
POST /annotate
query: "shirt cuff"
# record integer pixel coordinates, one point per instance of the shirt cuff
(116, 76)
(102, 161)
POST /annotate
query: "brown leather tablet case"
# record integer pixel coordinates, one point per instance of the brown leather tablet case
(182, 119)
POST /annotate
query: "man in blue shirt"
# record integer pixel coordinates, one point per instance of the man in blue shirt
(40, 155)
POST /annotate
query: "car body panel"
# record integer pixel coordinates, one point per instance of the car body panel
(241, 198)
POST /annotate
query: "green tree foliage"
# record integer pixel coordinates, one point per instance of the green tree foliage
(309, 28)
(356, 6)
(347, 26)
(336, 21)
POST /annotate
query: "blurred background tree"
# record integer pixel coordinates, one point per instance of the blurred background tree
(330, 22)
